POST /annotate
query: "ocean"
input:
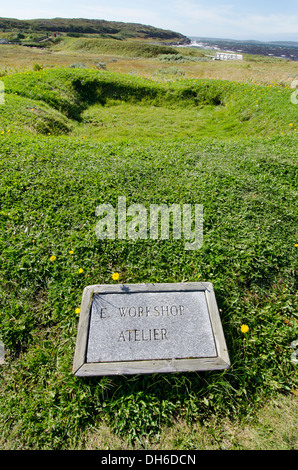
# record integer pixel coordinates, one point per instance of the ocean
(285, 50)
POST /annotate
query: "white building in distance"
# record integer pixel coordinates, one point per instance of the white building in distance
(227, 56)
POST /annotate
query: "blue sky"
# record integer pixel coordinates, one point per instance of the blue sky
(242, 19)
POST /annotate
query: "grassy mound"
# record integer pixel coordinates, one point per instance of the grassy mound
(33, 116)
(112, 46)
(235, 109)
(50, 188)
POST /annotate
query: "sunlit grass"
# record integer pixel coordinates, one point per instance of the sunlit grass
(71, 139)
(18, 58)
(122, 121)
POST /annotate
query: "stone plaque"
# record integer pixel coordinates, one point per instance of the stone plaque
(149, 328)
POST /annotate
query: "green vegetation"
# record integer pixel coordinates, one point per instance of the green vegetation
(68, 99)
(110, 46)
(71, 139)
(80, 26)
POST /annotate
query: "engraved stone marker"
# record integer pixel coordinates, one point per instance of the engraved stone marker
(149, 328)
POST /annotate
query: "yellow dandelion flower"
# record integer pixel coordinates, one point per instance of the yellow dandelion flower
(296, 245)
(81, 271)
(115, 276)
(244, 328)
(71, 252)
(291, 124)
(52, 258)
(78, 310)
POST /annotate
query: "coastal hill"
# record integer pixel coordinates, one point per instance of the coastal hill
(79, 26)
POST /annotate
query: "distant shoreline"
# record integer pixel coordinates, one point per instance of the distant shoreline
(271, 49)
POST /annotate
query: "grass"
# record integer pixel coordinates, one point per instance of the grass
(128, 48)
(74, 138)
(181, 107)
(14, 29)
(274, 428)
(256, 69)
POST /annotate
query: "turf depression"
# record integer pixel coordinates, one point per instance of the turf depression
(51, 101)
(50, 188)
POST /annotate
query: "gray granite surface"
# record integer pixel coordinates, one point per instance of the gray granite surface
(131, 326)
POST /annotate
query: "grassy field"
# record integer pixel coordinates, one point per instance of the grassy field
(132, 59)
(72, 138)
